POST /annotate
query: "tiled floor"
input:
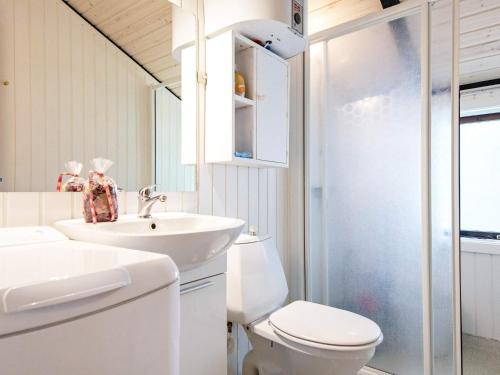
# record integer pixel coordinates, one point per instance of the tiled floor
(480, 356)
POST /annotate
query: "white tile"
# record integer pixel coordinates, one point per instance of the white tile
(160, 206)
(131, 202)
(77, 203)
(55, 206)
(190, 202)
(122, 203)
(21, 209)
(174, 202)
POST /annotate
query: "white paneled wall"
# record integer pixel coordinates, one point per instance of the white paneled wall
(71, 94)
(480, 265)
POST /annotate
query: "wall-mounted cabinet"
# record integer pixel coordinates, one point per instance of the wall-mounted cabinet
(250, 130)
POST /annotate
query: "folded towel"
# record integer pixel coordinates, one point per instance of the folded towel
(243, 154)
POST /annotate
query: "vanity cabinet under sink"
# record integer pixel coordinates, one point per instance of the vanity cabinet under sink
(203, 344)
(197, 244)
(203, 326)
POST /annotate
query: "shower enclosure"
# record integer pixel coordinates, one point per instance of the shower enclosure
(381, 129)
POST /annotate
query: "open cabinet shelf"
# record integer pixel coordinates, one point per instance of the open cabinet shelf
(255, 124)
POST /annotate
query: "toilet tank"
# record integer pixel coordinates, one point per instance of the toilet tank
(256, 283)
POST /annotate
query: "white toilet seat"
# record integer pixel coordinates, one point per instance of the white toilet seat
(314, 345)
(324, 327)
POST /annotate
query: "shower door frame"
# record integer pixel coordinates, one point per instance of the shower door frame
(408, 8)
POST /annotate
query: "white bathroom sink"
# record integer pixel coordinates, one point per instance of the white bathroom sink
(190, 240)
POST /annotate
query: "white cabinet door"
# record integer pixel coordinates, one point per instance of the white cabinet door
(272, 108)
(219, 107)
(204, 327)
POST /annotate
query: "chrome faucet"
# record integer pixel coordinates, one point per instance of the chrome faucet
(146, 200)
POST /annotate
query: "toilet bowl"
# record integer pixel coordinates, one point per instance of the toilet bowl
(302, 338)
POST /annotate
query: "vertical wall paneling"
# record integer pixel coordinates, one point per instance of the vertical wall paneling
(484, 305)
(77, 90)
(480, 273)
(272, 206)
(64, 86)
(171, 175)
(139, 132)
(205, 193)
(131, 121)
(51, 92)
(219, 190)
(22, 84)
(231, 191)
(7, 97)
(71, 94)
(243, 201)
(496, 297)
(253, 198)
(263, 201)
(37, 93)
(468, 293)
(100, 98)
(89, 90)
(111, 104)
(282, 221)
(122, 131)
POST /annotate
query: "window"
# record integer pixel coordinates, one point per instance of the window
(480, 176)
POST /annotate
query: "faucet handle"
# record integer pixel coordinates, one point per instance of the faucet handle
(145, 192)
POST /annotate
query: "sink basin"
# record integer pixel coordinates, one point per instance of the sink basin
(190, 240)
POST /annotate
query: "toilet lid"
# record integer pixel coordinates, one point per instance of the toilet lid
(324, 324)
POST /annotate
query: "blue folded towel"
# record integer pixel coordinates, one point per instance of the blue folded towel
(243, 154)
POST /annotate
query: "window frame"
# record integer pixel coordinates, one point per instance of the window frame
(464, 119)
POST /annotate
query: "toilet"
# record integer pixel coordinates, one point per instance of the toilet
(302, 338)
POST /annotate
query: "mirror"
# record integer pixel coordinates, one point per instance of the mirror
(73, 91)
(170, 171)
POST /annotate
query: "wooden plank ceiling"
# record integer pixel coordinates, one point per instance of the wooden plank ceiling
(479, 40)
(142, 28)
(479, 31)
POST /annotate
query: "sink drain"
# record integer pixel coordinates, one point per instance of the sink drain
(152, 226)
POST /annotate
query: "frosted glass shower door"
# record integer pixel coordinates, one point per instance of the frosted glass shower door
(365, 181)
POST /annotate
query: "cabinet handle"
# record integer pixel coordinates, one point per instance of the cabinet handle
(196, 287)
